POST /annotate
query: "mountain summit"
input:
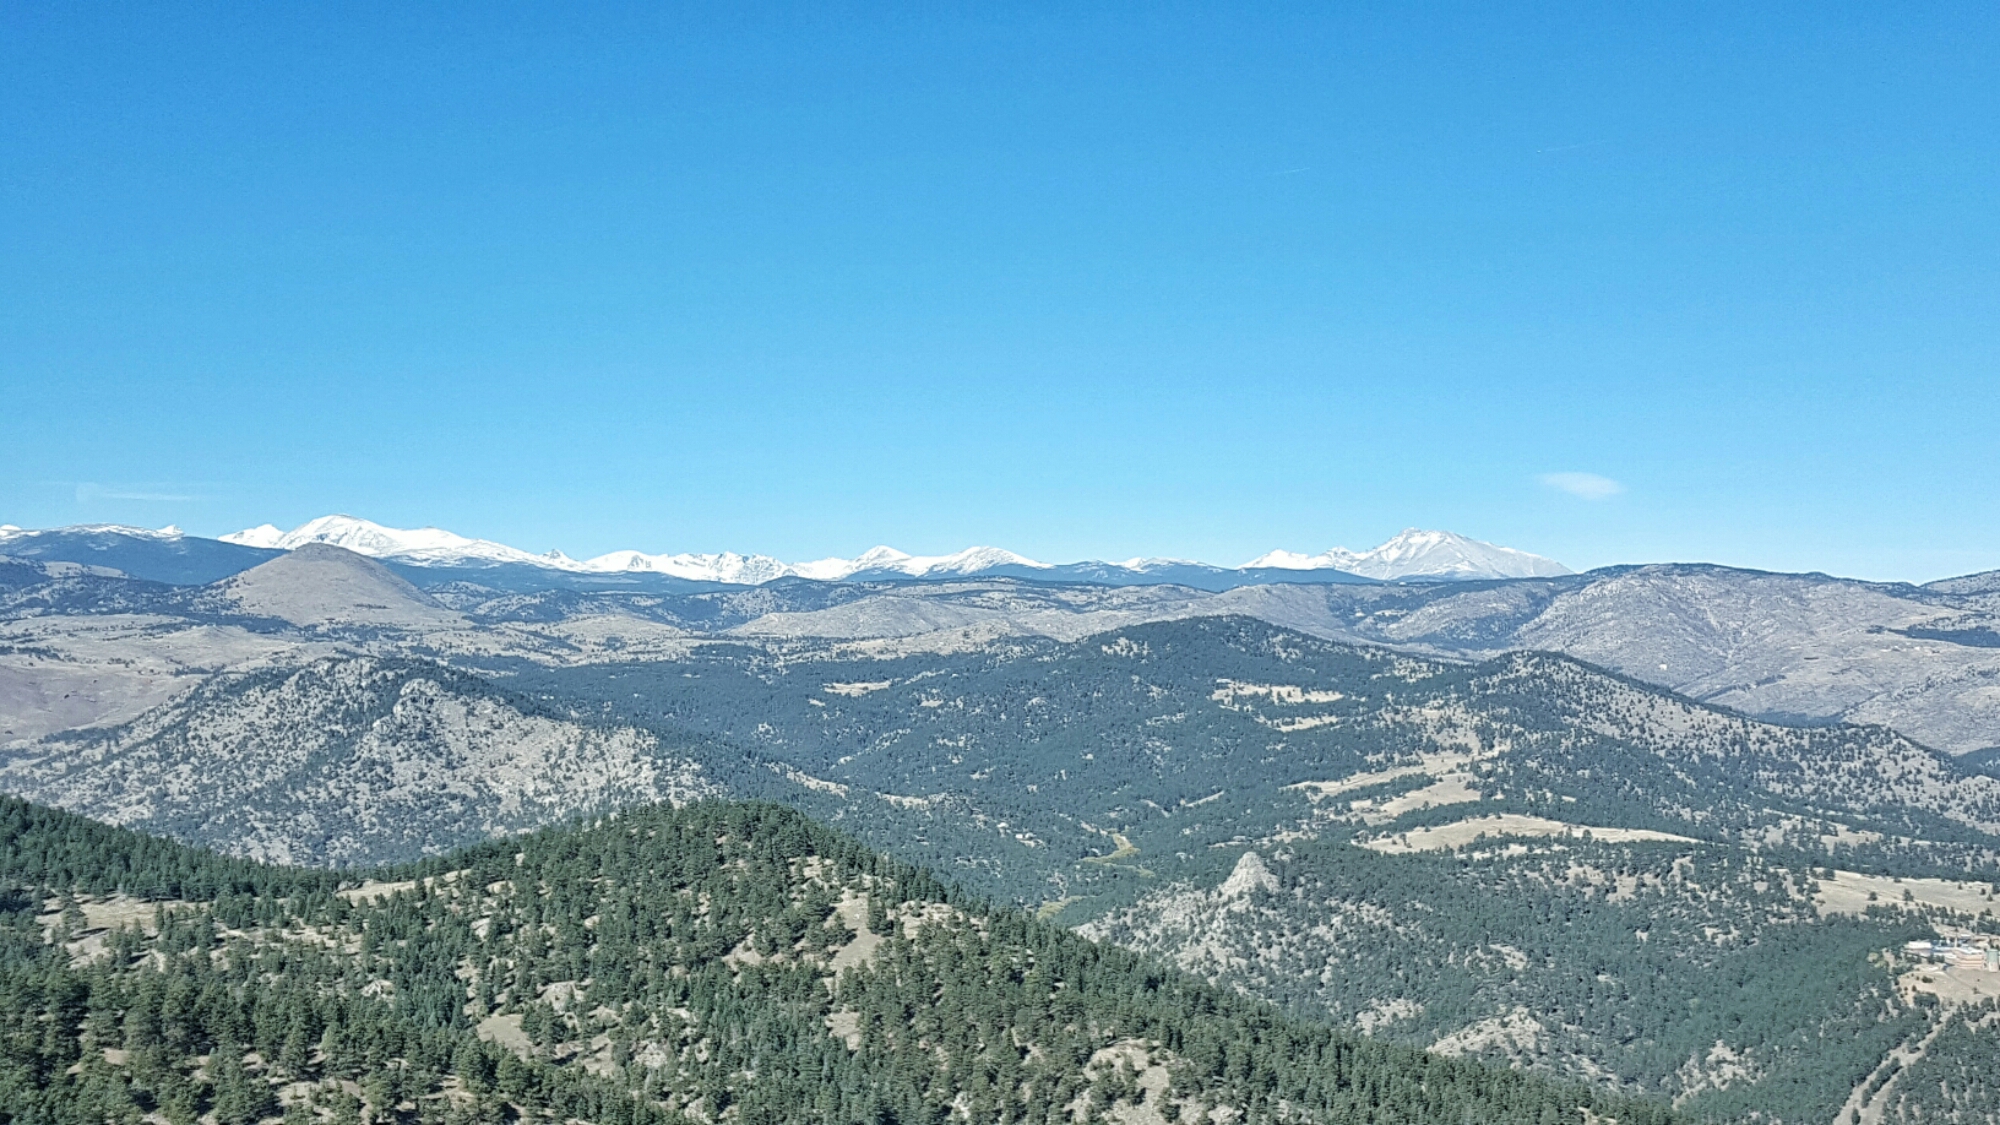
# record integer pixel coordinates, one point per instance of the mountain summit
(321, 584)
(1420, 554)
(421, 546)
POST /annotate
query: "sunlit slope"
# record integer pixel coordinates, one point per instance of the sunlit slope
(1179, 736)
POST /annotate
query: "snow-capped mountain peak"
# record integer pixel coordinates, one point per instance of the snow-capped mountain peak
(1416, 553)
(972, 560)
(365, 537)
(1293, 560)
(835, 569)
(263, 535)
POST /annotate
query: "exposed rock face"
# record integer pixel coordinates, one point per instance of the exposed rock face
(1250, 875)
(347, 761)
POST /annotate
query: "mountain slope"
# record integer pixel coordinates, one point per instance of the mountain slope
(319, 584)
(1709, 977)
(1122, 777)
(347, 760)
(1435, 845)
(717, 963)
(1797, 647)
(1125, 729)
(159, 556)
(1985, 582)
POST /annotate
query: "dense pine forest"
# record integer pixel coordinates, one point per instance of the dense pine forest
(721, 962)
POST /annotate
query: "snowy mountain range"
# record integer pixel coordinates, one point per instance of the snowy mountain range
(431, 546)
(1412, 555)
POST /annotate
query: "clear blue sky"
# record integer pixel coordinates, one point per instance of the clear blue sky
(1083, 281)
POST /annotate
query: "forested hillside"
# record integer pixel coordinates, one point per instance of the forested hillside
(1466, 857)
(1700, 975)
(1035, 756)
(721, 962)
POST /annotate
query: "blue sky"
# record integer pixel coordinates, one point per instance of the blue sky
(1083, 281)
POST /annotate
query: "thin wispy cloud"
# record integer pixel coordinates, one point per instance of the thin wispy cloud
(1583, 486)
(89, 492)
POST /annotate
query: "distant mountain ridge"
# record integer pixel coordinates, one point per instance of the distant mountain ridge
(1413, 554)
(165, 555)
(1800, 648)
